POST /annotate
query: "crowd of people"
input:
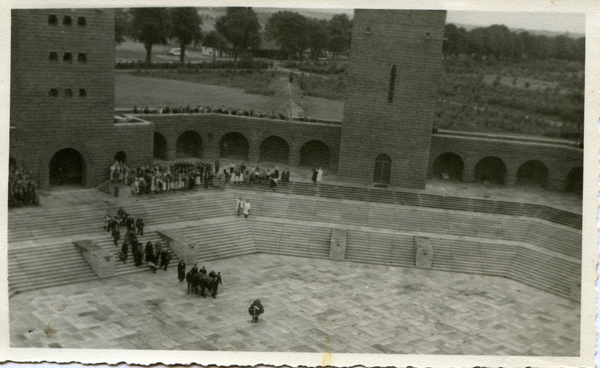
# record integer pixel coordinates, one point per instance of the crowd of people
(22, 190)
(182, 175)
(218, 110)
(158, 256)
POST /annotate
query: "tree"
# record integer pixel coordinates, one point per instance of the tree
(186, 28)
(150, 26)
(319, 37)
(241, 28)
(455, 41)
(122, 19)
(290, 31)
(215, 40)
(339, 29)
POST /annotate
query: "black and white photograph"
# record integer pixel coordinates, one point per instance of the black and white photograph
(326, 186)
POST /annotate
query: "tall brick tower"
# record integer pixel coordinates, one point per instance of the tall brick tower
(62, 125)
(391, 86)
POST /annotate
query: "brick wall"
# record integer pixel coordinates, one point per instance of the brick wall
(411, 42)
(559, 159)
(43, 124)
(212, 127)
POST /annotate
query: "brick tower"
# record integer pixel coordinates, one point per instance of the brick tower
(62, 125)
(391, 89)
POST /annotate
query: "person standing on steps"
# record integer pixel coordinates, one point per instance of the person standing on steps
(246, 208)
(116, 234)
(319, 175)
(314, 175)
(238, 207)
(255, 310)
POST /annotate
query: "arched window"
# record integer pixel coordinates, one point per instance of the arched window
(68, 57)
(67, 20)
(81, 58)
(53, 56)
(81, 21)
(383, 169)
(52, 19)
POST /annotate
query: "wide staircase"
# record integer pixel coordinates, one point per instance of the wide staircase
(40, 267)
(512, 241)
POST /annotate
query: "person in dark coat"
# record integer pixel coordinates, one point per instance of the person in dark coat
(194, 269)
(138, 256)
(314, 175)
(181, 271)
(165, 259)
(188, 278)
(116, 234)
(124, 251)
(140, 226)
(202, 270)
(255, 310)
(218, 281)
(149, 252)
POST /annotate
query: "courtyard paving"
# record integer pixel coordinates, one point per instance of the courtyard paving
(310, 306)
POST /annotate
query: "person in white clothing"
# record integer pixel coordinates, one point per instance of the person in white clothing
(319, 175)
(246, 208)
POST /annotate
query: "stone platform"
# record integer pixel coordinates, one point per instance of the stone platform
(310, 306)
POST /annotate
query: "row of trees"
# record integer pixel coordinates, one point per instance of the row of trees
(498, 41)
(295, 33)
(239, 27)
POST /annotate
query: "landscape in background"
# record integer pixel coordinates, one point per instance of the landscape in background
(494, 80)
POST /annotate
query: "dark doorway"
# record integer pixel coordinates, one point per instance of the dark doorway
(67, 166)
(383, 169)
(274, 149)
(533, 173)
(160, 147)
(448, 166)
(575, 180)
(12, 163)
(235, 146)
(189, 144)
(121, 157)
(490, 170)
(315, 153)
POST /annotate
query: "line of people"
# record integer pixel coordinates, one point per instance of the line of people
(183, 175)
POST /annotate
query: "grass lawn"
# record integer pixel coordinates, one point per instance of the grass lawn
(132, 90)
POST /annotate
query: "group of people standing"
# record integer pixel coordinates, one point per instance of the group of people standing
(179, 175)
(193, 282)
(22, 191)
(182, 175)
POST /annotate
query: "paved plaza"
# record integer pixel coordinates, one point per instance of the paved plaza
(310, 306)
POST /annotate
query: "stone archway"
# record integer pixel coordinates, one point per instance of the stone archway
(490, 169)
(448, 166)
(574, 182)
(533, 172)
(274, 149)
(67, 166)
(160, 146)
(121, 156)
(235, 146)
(315, 153)
(189, 144)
